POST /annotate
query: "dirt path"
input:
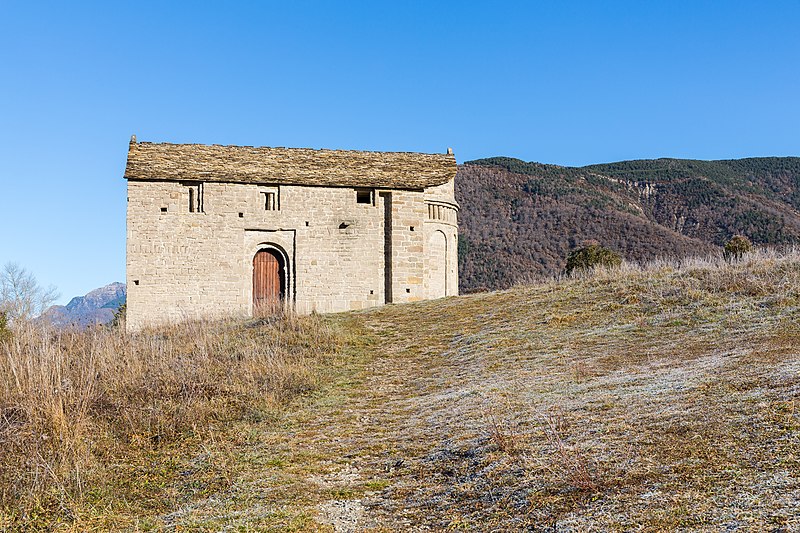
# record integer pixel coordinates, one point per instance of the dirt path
(349, 457)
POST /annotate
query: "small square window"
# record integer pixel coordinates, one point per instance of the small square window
(364, 196)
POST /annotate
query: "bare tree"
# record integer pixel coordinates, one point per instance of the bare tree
(21, 296)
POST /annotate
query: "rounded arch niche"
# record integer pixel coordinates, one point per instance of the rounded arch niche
(438, 264)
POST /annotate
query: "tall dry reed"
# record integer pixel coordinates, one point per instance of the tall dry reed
(70, 400)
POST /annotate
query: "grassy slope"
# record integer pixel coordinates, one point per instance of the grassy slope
(661, 399)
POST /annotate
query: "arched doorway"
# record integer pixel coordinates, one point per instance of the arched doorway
(269, 282)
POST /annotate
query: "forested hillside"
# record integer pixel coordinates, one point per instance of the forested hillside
(519, 220)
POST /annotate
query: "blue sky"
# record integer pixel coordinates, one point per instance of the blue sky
(570, 83)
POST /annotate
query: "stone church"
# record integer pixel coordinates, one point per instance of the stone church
(217, 231)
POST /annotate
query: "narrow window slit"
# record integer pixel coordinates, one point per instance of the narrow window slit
(194, 195)
(272, 199)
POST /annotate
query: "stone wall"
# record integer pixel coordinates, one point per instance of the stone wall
(190, 247)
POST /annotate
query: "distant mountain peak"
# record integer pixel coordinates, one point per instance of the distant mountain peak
(96, 307)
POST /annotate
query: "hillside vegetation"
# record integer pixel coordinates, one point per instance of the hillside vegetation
(95, 422)
(648, 399)
(519, 220)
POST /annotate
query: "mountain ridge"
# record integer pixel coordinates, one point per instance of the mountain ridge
(95, 307)
(519, 219)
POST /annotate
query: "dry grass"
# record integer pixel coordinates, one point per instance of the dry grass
(655, 398)
(504, 433)
(74, 404)
(566, 461)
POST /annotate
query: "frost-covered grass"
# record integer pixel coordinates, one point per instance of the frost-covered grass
(647, 398)
(659, 397)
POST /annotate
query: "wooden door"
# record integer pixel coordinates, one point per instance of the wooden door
(268, 283)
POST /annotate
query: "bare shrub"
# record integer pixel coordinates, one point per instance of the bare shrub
(504, 435)
(567, 462)
(21, 296)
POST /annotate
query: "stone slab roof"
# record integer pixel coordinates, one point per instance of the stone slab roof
(290, 166)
